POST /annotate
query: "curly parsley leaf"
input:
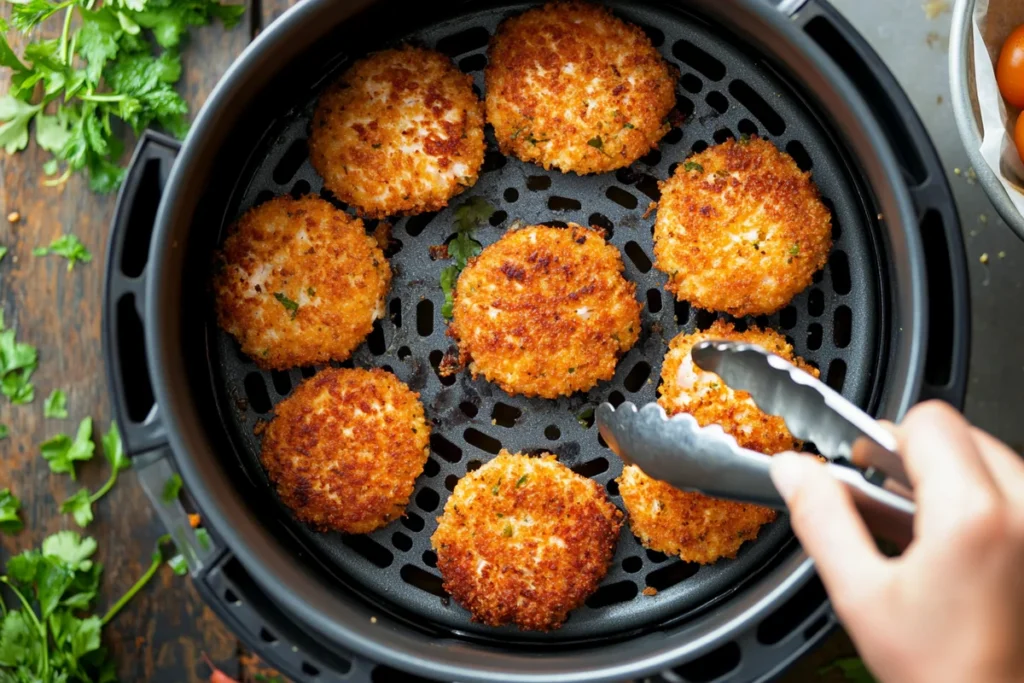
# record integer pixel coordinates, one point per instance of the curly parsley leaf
(68, 246)
(18, 361)
(10, 522)
(62, 452)
(56, 405)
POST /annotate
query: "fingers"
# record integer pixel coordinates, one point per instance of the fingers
(1004, 464)
(828, 525)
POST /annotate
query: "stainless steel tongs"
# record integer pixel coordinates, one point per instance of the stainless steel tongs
(680, 452)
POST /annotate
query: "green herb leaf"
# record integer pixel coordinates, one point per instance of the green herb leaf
(203, 538)
(628, 125)
(62, 452)
(463, 247)
(693, 166)
(596, 143)
(172, 489)
(10, 522)
(522, 480)
(794, 250)
(744, 139)
(4, 432)
(70, 548)
(472, 213)
(586, 417)
(56, 405)
(113, 448)
(16, 116)
(18, 361)
(3, 252)
(289, 305)
(68, 246)
(80, 506)
(178, 565)
(507, 531)
(449, 276)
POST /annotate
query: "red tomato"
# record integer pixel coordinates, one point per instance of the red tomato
(1010, 68)
(1018, 136)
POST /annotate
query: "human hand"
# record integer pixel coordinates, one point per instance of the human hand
(951, 607)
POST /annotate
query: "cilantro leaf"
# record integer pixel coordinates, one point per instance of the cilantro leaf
(203, 538)
(289, 305)
(449, 276)
(10, 522)
(172, 489)
(596, 143)
(472, 213)
(18, 361)
(56, 405)
(463, 247)
(4, 432)
(16, 116)
(79, 506)
(68, 246)
(62, 452)
(70, 548)
(113, 449)
(693, 166)
(3, 252)
(178, 565)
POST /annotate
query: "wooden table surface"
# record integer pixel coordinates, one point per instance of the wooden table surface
(161, 635)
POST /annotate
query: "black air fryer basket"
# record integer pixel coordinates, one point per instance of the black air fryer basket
(886, 322)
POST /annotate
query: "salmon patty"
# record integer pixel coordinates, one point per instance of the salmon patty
(299, 282)
(740, 229)
(691, 525)
(401, 132)
(525, 540)
(344, 450)
(545, 311)
(571, 86)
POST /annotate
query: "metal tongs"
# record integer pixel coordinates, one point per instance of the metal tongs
(680, 452)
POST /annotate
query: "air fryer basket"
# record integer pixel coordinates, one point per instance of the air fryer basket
(845, 324)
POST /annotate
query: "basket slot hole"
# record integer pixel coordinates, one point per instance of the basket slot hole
(787, 318)
(621, 197)
(816, 302)
(712, 666)
(395, 312)
(842, 326)
(556, 203)
(256, 392)
(230, 596)
(601, 441)
(685, 107)
(938, 366)
(468, 409)
(638, 257)
(634, 381)
(791, 614)
(416, 224)
(691, 83)
(552, 433)
(308, 371)
(424, 580)
(425, 318)
(814, 334)
(817, 625)
(836, 375)
(613, 488)
(464, 41)
(310, 670)
(591, 468)
(473, 465)
(675, 135)
(756, 105)
(141, 219)
(263, 197)
(653, 300)
(370, 549)
(430, 558)
(300, 189)
(385, 674)
(404, 352)
(475, 437)
(555, 224)
(450, 482)
(800, 155)
(586, 417)
(648, 184)
(445, 448)
(401, 541)
(612, 594)
(632, 564)
(722, 135)
(431, 468)
(138, 392)
(291, 162)
(717, 101)
(839, 266)
(412, 521)
(747, 127)
(705, 319)
(655, 35)
(682, 312)
(538, 183)
(267, 637)
(599, 220)
(375, 341)
(652, 158)
(427, 500)
(627, 176)
(690, 54)
(282, 382)
(616, 398)
(494, 161)
(473, 63)
(511, 195)
(505, 415)
(497, 218)
(656, 557)
(740, 325)
(670, 575)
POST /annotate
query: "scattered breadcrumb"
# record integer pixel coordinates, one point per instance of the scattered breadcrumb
(194, 520)
(1002, 254)
(13, 217)
(649, 591)
(934, 8)
(984, 258)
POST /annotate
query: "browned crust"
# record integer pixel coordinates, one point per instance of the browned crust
(313, 254)
(740, 229)
(544, 533)
(344, 450)
(546, 311)
(395, 99)
(619, 90)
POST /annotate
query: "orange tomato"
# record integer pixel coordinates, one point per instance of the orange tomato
(1018, 136)
(1010, 68)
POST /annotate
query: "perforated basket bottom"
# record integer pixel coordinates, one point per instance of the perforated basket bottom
(723, 92)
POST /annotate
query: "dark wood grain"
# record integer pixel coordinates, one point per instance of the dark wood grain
(161, 634)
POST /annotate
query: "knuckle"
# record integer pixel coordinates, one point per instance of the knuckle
(984, 520)
(930, 412)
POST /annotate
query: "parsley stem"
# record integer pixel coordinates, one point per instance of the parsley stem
(102, 491)
(64, 57)
(150, 573)
(103, 98)
(45, 646)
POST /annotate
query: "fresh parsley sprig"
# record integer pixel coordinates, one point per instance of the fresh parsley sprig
(116, 63)
(56, 405)
(80, 504)
(68, 246)
(18, 360)
(463, 247)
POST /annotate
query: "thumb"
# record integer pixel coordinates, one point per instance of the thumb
(828, 526)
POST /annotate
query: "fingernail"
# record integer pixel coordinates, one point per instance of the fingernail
(788, 471)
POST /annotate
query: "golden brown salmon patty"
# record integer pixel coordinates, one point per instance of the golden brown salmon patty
(545, 311)
(524, 540)
(741, 229)
(693, 526)
(299, 282)
(570, 86)
(344, 450)
(401, 132)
